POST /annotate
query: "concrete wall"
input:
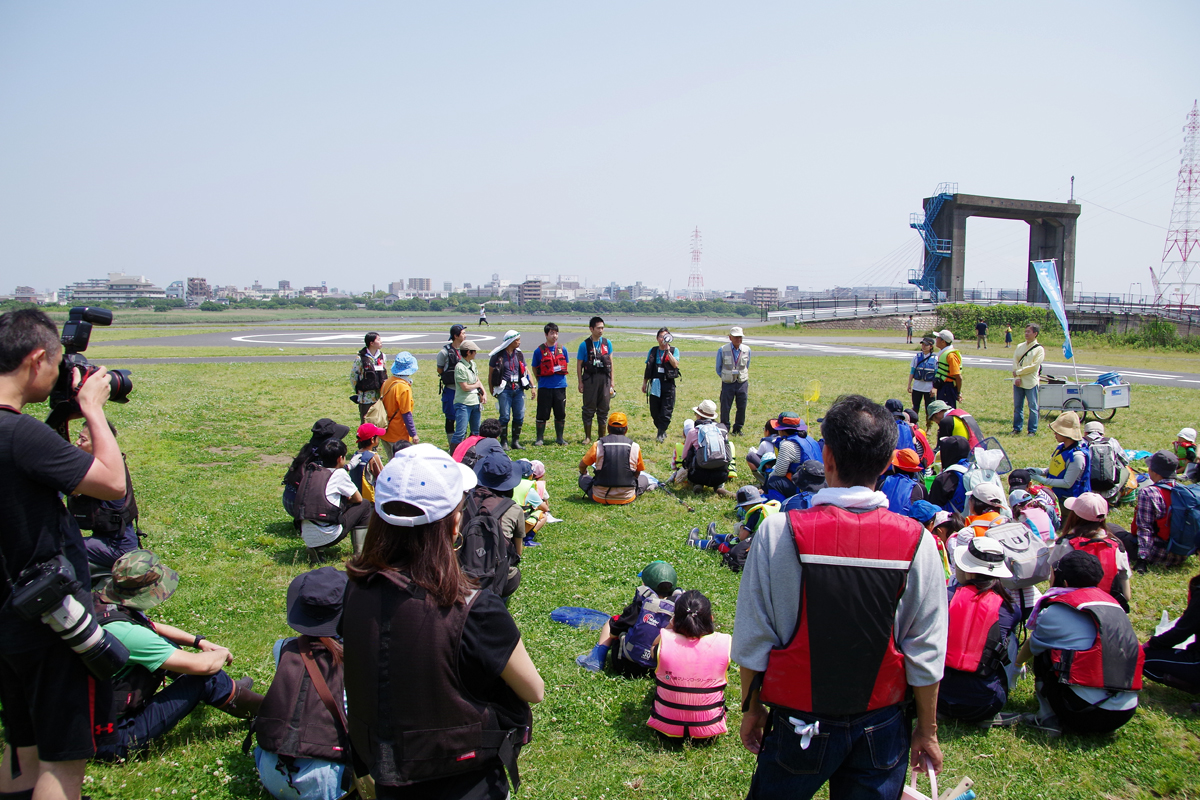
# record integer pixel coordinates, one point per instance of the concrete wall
(868, 321)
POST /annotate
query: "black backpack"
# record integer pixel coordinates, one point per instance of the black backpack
(452, 359)
(735, 559)
(486, 554)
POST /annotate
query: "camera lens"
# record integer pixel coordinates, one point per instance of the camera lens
(121, 385)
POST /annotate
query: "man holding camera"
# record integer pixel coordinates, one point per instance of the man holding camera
(45, 689)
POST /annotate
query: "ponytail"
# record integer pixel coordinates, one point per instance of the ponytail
(693, 615)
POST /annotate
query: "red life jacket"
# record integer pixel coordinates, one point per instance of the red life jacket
(1114, 661)
(843, 659)
(974, 432)
(924, 450)
(551, 358)
(973, 642)
(1162, 526)
(1106, 551)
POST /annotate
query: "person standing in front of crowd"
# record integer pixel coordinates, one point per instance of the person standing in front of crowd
(733, 368)
(447, 359)
(507, 380)
(469, 397)
(369, 373)
(920, 377)
(47, 693)
(397, 399)
(841, 609)
(550, 368)
(658, 382)
(947, 379)
(1027, 368)
(597, 383)
(438, 681)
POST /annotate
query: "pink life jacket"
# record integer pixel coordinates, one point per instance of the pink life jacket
(689, 693)
(1038, 519)
(974, 640)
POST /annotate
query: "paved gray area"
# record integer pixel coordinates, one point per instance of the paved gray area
(806, 346)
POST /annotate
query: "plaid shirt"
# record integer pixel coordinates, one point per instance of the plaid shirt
(1151, 507)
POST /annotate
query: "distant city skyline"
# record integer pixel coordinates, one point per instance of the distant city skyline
(369, 143)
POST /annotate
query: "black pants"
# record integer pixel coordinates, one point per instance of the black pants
(552, 400)
(596, 398)
(918, 398)
(1072, 710)
(731, 393)
(1178, 668)
(948, 394)
(663, 406)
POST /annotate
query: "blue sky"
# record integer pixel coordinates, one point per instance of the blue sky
(361, 143)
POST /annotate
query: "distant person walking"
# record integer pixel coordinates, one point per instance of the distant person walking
(733, 368)
(369, 373)
(483, 316)
(1027, 366)
(908, 329)
(508, 379)
(948, 380)
(550, 368)
(981, 334)
(447, 360)
(596, 383)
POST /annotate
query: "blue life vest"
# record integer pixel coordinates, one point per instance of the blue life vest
(899, 489)
(1061, 460)
(798, 502)
(811, 449)
(906, 438)
(958, 502)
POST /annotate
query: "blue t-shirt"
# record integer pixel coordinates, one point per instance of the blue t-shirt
(1061, 627)
(583, 347)
(557, 381)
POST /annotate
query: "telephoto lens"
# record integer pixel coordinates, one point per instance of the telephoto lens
(101, 652)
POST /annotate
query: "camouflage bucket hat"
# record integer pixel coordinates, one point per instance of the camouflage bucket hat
(139, 580)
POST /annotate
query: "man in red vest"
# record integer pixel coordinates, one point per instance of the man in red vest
(841, 620)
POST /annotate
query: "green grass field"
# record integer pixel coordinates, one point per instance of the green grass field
(208, 444)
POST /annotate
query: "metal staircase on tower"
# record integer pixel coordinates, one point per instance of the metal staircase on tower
(935, 249)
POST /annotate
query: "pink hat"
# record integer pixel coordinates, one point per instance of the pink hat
(537, 469)
(1089, 506)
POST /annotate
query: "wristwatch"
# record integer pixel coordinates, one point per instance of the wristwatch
(197, 640)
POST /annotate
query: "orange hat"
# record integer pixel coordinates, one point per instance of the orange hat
(619, 419)
(906, 459)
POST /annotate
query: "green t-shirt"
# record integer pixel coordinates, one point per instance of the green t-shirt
(146, 648)
(464, 372)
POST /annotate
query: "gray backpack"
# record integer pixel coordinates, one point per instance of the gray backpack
(1025, 554)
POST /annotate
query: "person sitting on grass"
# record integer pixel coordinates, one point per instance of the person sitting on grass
(689, 676)
(942, 524)
(707, 453)
(531, 494)
(140, 712)
(294, 761)
(365, 465)
(762, 458)
(1085, 529)
(635, 630)
(986, 508)
(1043, 497)
(1178, 667)
(488, 429)
(1069, 473)
(323, 430)
(327, 503)
(619, 478)
(1185, 451)
(1087, 662)
(497, 476)
(948, 490)
(1152, 515)
(981, 640)
(902, 482)
(113, 523)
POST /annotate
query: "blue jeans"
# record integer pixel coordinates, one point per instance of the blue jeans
(465, 417)
(512, 404)
(1020, 396)
(103, 551)
(448, 413)
(165, 710)
(862, 757)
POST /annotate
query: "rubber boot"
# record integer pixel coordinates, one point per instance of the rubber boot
(243, 703)
(450, 433)
(559, 424)
(504, 436)
(603, 425)
(593, 661)
(516, 440)
(541, 432)
(587, 431)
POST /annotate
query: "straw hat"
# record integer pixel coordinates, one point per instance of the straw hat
(1067, 425)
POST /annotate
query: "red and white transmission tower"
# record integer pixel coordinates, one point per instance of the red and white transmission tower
(696, 278)
(1183, 236)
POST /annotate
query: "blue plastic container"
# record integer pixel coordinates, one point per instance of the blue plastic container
(1109, 379)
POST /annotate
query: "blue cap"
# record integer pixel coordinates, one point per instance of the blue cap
(923, 511)
(404, 364)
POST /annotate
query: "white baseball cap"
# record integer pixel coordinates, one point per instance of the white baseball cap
(425, 477)
(946, 336)
(735, 331)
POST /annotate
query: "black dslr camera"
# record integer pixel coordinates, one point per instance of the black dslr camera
(46, 591)
(76, 334)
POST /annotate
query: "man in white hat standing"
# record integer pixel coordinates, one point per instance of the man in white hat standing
(947, 380)
(508, 379)
(733, 368)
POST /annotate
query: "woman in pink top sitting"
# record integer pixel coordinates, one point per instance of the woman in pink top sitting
(1025, 509)
(689, 693)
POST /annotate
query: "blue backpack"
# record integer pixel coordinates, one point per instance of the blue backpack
(798, 502)
(906, 438)
(811, 449)
(899, 489)
(1185, 519)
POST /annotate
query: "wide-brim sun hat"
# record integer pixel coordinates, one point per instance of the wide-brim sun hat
(789, 421)
(405, 363)
(424, 477)
(748, 496)
(936, 407)
(510, 336)
(906, 460)
(982, 556)
(314, 601)
(707, 409)
(495, 470)
(1067, 424)
(139, 580)
(1187, 434)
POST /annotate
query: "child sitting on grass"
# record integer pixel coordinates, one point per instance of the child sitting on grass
(752, 509)
(689, 678)
(531, 493)
(636, 629)
(365, 465)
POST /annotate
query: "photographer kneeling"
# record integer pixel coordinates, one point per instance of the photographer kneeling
(140, 712)
(46, 690)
